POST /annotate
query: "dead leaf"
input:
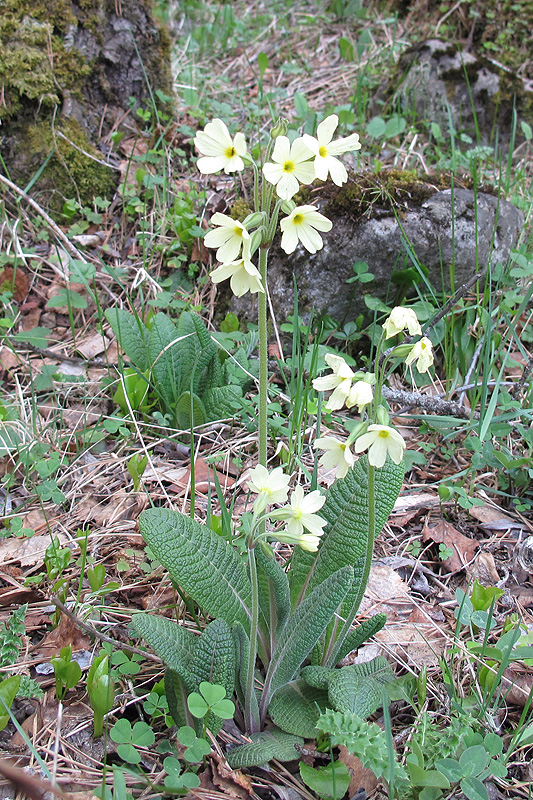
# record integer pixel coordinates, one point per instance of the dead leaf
(386, 592)
(361, 778)
(233, 783)
(31, 319)
(203, 477)
(119, 506)
(493, 519)
(16, 281)
(8, 359)
(484, 569)
(27, 552)
(67, 633)
(517, 683)
(463, 548)
(93, 345)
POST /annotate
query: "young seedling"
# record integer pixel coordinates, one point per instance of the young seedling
(101, 690)
(67, 672)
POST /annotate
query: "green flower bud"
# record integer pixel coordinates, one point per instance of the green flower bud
(255, 240)
(280, 128)
(356, 432)
(254, 219)
(288, 206)
(382, 416)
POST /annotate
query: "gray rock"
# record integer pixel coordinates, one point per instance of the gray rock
(442, 83)
(453, 229)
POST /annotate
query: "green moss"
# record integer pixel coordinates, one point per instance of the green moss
(390, 188)
(69, 173)
(36, 67)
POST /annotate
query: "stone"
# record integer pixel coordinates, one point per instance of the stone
(442, 83)
(453, 230)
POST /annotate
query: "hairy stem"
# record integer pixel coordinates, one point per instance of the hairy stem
(250, 707)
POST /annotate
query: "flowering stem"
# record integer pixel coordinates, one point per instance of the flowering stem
(251, 717)
(263, 359)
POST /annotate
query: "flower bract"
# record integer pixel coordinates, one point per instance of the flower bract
(422, 353)
(302, 225)
(271, 487)
(219, 149)
(244, 277)
(325, 150)
(290, 168)
(337, 455)
(300, 514)
(228, 237)
(381, 441)
(401, 319)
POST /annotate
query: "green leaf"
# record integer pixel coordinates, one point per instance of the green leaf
(332, 780)
(197, 705)
(450, 768)
(132, 335)
(473, 789)
(213, 660)
(183, 411)
(8, 691)
(349, 692)
(473, 760)
(296, 707)
(172, 642)
(303, 629)
(203, 564)
(345, 540)
(262, 63)
(275, 599)
(176, 693)
(172, 356)
(364, 631)
(220, 401)
(67, 297)
(264, 747)
(38, 337)
(376, 127)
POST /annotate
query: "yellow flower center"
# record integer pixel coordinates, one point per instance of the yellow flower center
(297, 513)
(384, 434)
(229, 152)
(297, 219)
(288, 166)
(322, 151)
(237, 231)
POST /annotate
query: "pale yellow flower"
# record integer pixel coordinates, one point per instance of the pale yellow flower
(228, 237)
(337, 456)
(340, 380)
(401, 319)
(290, 168)
(300, 514)
(380, 441)
(244, 276)
(422, 353)
(271, 487)
(302, 225)
(221, 151)
(324, 150)
(361, 394)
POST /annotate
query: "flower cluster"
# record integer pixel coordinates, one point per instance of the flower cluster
(299, 514)
(355, 389)
(350, 388)
(292, 164)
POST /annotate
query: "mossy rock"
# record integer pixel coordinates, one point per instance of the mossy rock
(70, 71)
(73, 167)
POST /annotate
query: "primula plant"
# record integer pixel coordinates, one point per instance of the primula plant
(278, 632)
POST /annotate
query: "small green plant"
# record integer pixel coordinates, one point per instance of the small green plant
(66, 671)
(131, 739)
(101, 691)
(179, 366)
